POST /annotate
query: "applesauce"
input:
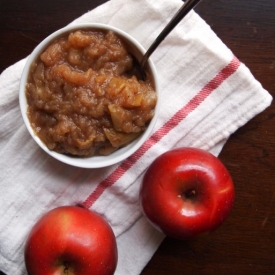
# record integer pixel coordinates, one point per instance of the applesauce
(85, 97)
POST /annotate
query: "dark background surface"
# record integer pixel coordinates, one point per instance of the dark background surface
(244, 244)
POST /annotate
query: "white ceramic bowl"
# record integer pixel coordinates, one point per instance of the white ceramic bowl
(95, 161)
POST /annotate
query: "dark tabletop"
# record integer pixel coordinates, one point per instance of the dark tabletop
(245, 243)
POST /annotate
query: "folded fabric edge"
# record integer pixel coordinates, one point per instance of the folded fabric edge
(139, 242)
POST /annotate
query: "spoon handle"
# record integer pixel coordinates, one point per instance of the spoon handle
(185, 9)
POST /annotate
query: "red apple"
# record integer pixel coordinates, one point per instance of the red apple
(186, 192)
(71, 240)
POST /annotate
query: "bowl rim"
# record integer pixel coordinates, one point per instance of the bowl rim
(93, 161)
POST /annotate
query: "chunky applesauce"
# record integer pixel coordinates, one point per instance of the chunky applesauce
(83, 96)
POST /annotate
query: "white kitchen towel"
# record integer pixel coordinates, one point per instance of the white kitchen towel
(206, 95)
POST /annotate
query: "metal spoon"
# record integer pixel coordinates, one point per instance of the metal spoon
(184, 10)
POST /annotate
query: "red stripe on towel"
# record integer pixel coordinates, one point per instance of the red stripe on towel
(163, 131)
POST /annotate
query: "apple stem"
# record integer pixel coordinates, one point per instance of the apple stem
(189, 194)
(66, 268)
